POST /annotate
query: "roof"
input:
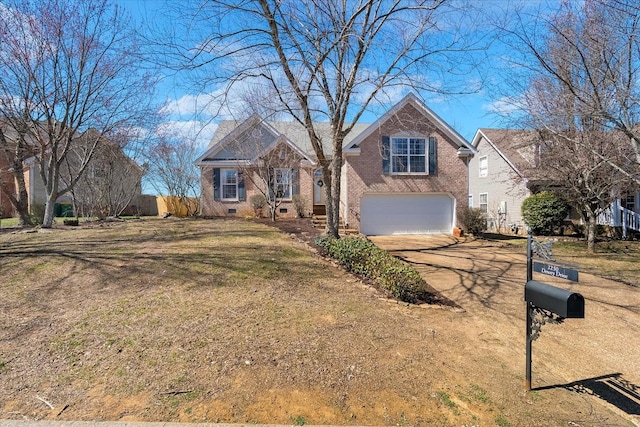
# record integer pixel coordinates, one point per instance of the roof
(292, 132)
(297, 136)
(440, 124)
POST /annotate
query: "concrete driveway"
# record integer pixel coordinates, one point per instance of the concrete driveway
(487, 280)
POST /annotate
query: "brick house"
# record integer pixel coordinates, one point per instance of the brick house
(406, 173)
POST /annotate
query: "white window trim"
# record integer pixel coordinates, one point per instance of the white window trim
(290, 187)
(483, 172)
(408, 155)
(470, 200)
(486, 203)
(223, 184)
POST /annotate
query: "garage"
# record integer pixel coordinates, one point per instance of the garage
(423, 213)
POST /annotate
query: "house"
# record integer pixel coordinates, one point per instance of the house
(499, 183)
(111, 181)
(7, 184)
(405, 173)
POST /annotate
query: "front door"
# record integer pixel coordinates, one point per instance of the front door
(318, 189)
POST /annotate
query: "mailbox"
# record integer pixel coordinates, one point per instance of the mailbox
(560, 301)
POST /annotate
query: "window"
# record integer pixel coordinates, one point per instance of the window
(408, 155)
(629, 202)
(470, 200)
(282, 183)
(484, 202)
(484, 166)
(229, 182)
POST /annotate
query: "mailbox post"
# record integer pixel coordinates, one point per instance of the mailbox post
(546, 303)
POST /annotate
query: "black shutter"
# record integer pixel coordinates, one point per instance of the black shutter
(433, 156)
(386, 155)
(295, 185)
(216, 184)
(241, 191)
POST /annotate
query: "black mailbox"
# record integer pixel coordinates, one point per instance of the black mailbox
(564, 303)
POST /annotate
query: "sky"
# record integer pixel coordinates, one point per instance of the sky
(465, 113)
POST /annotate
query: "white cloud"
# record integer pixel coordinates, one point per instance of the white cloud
(503, 106)
(194, 130)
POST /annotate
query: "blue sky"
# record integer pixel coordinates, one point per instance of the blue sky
(465, 113)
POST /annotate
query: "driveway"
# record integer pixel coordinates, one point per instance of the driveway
(598, 354)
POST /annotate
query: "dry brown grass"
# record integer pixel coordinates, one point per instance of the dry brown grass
(232, 321)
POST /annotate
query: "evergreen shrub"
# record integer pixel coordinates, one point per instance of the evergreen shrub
(362, 257)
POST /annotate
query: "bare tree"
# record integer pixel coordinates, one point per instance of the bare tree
(331, 60)
(66, 67)
(589, 183)
(588, 54)
(172, 172)
(581, 93)
(110, 183)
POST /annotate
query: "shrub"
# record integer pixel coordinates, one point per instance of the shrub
(300, 205)
(362, 257)
(37, 213)
(258, 201)
(543, 212)
(473, 220)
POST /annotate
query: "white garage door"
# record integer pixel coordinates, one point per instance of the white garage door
(384, 214)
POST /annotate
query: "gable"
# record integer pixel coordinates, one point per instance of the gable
(515, 146)
(242, 141)
(246, 142)
(407, 111)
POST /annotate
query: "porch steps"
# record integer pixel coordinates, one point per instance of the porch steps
(320, 222)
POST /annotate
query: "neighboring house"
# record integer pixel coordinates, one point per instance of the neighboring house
(406, 173)
(7, 181)
(111, 184)
(111, 179)
(498, 181)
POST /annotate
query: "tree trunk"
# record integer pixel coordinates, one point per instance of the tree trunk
(20, 200)
(591, 231)
(332, 202)
(49, 211)
(22, 208)
(336, 170)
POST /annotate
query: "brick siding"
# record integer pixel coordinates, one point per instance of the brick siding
(364, 171)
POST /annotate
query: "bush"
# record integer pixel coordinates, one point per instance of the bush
(300, 205)
(258, 201)
(543, 212)
(37, 214)
(473, 220)
(362, 257)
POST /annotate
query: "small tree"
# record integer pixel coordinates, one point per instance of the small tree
(111, 181)
(171, 171)
(272, 167)
(543, 212)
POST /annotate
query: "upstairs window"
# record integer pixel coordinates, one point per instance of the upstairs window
(484, 166)
(408, 155)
